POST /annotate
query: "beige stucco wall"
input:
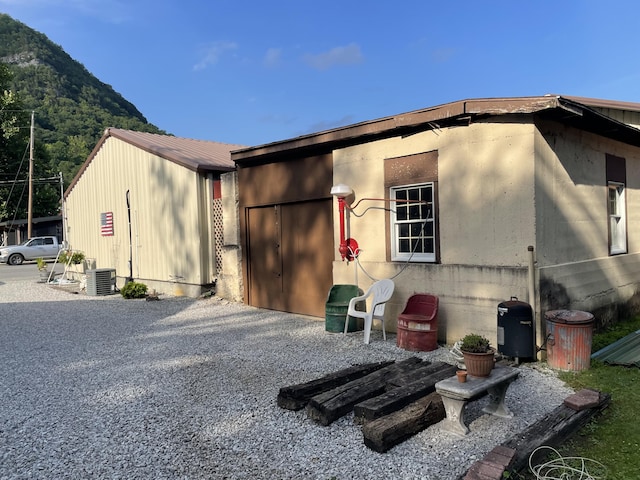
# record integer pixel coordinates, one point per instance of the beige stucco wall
(229, 284)
(575, 268)
(502, 187)
(171, 218)
(486, 219)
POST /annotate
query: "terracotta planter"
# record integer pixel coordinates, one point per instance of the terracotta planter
(462, 376)
(479, 364)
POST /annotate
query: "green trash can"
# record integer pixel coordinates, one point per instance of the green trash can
(337, 306)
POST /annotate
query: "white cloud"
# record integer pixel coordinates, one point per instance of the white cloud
(347, 55)
(272, 57)
(213, 53)
(442, 55)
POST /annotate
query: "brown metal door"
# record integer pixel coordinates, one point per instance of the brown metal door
(290, 251)
(265, 259)
(307, 237)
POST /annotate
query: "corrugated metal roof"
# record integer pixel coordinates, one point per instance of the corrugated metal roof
(196, 155)
(602, 103)
(625, 351)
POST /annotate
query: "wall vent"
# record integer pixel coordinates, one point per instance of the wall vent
(101, 281)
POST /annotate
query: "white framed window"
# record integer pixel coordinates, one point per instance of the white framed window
(617, 218)
(413, 233)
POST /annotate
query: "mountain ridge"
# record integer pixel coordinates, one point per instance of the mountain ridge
(72, 107)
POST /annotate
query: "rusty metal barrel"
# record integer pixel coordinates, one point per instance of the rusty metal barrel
(569, 336)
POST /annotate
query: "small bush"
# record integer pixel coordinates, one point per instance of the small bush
(134, 290)
(75, 258)
(475, 343)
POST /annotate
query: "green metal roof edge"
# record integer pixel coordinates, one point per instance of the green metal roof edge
(625, 351)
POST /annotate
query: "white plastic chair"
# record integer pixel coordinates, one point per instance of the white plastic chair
(380, 292)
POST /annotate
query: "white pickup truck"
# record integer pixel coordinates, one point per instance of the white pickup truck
(36, 247)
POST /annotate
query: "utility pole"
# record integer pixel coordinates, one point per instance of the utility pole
(30, 206)
(62, 210)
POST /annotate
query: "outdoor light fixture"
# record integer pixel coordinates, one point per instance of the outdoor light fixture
(348, 246)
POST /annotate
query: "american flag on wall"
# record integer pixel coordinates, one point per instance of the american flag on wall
(106, 224)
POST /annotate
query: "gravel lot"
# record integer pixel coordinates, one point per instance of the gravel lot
(102, 387)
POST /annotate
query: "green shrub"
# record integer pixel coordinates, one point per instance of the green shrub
(475, 343)
(68, 257)
(134, 290)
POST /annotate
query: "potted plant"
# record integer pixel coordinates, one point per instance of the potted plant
(74, 258)
(478, 355)
(42, 268)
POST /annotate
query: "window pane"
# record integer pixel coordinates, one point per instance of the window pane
(428, 229)
(429, 246)
(613, 201)
(617, 220)
(413, 224)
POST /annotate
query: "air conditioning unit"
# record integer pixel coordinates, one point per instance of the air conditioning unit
(101, 281)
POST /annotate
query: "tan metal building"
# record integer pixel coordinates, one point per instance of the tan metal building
(150, 207)
(558, 174)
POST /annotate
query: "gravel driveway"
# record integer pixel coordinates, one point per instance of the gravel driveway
(102, 387)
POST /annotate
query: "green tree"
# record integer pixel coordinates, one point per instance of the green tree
(14, 160)
(12, 138)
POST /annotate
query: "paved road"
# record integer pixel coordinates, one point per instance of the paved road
(26, 271)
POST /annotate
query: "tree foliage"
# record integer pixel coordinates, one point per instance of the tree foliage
(72, 110)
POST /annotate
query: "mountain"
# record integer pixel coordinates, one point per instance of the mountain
(72, 107)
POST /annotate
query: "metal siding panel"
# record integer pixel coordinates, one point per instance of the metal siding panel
(164, 214)
(296, 180)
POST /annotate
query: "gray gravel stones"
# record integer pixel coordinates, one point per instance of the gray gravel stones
(102, 387)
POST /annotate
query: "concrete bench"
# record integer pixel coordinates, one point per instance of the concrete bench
(455, 396)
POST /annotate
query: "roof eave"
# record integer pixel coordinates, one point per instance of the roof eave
(398, 125)
(456, 113)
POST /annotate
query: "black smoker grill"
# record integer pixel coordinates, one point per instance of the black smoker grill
(515, 329)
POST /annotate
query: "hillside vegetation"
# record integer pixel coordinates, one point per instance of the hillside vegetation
(72, 110)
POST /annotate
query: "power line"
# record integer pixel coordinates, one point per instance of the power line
(35, 180)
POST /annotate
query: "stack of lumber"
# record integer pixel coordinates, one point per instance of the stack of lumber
(391, 400)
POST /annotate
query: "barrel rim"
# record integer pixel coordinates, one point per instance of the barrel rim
(569, 317)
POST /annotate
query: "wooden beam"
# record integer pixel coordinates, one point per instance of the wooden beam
(333, 404)
(386, 432)
(398, 398)
(296, 397)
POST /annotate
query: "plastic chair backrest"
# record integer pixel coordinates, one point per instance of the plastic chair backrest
(422, 304)
(381, 291)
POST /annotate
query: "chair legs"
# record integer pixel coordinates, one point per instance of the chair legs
(368, 323)
(367, 328)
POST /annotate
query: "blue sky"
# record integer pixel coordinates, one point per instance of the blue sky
(255, 72)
